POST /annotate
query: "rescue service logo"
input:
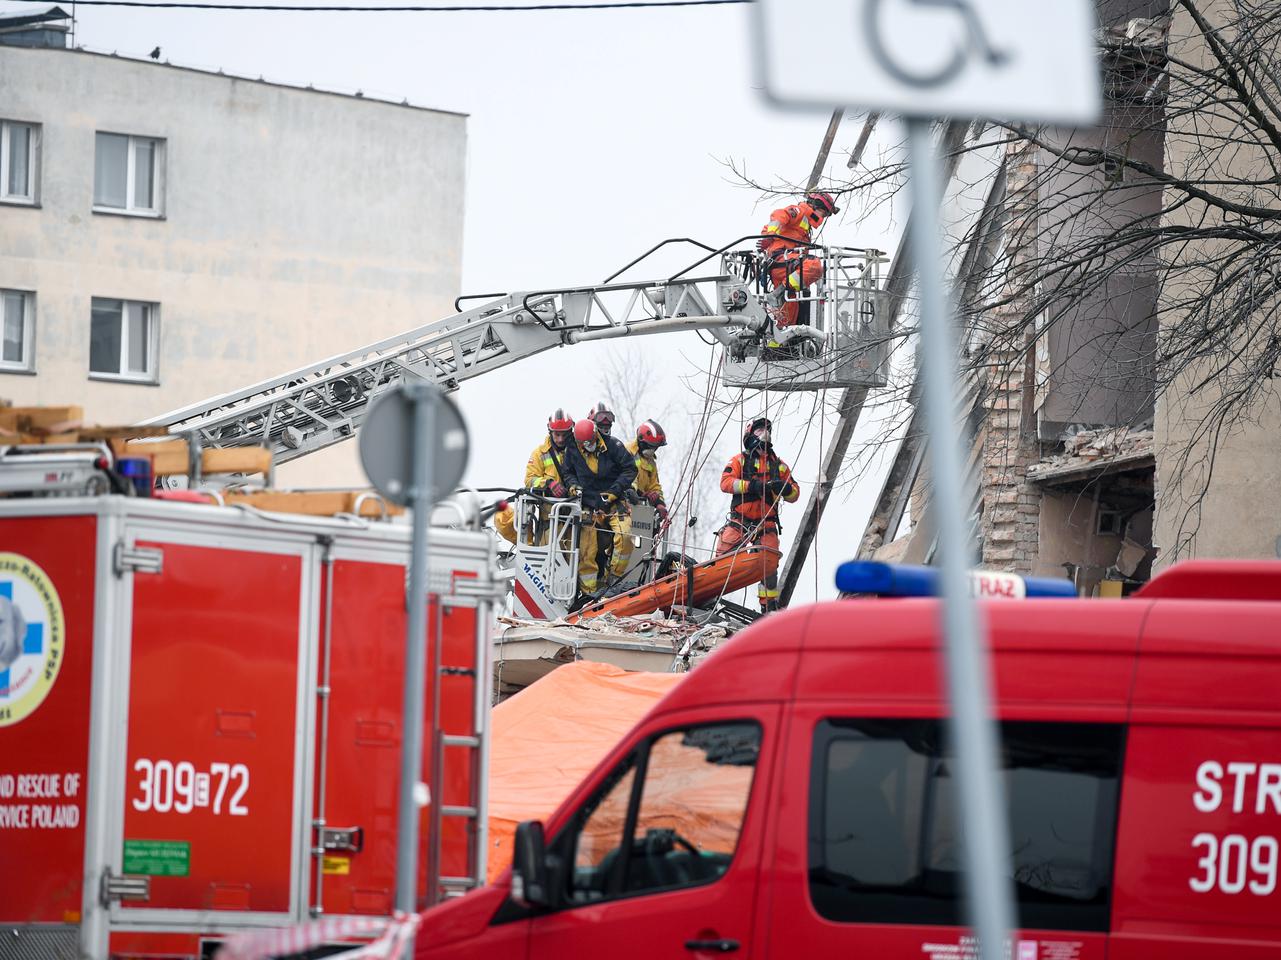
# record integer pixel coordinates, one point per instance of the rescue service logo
(32, 633)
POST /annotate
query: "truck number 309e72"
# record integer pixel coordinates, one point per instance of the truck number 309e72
(164, 786)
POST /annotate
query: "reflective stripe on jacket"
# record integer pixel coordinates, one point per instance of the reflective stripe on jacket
(541, 468)
(745, 467)
(796, 222)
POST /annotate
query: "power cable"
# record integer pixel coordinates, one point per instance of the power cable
(453, 8)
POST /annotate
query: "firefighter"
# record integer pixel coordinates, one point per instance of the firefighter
(757, 481)
(786, 262)
(602, 416)
(603, 472)
(644, 451)
(545, 472)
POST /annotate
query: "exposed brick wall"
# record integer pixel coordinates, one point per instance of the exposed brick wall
(1011, 506)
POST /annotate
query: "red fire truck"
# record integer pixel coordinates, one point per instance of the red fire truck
(794, 796)
(200, 721)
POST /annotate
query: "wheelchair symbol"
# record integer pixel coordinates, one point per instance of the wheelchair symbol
(971, 40)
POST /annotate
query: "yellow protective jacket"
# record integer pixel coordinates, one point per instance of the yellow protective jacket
(646, 473)
(541, 469)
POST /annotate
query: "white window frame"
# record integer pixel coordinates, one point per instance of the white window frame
(131, 209)
(27, 363)
(33, 170)
(151, 375)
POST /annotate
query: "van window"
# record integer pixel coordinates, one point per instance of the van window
(884, 842)
(680, 800)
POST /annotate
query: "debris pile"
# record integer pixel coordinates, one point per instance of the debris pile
(1111, 447)
(525, 650)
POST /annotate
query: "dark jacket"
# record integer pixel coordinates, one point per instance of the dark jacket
(614, 470)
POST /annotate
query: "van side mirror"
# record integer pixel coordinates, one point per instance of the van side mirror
(529, 866)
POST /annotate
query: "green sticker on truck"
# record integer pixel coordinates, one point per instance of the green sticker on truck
(158, 858)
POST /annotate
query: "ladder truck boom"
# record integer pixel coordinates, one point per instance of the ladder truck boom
(844, 342)
(318, 405)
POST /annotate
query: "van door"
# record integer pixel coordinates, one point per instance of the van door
(868, 859)
(210, 712)
(1199, 861)
(663, 857)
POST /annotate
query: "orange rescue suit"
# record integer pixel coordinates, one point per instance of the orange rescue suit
(796, 222)
(753, 517)
(765, 467)
(789, 266)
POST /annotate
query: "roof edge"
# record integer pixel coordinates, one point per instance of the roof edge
(142, 61)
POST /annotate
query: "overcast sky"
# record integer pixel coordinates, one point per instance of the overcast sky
(592, 135)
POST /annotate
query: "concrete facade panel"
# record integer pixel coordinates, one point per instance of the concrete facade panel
(296, 225)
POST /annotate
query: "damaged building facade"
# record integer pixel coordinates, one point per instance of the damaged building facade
(1077, 464)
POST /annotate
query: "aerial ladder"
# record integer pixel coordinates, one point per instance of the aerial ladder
(321, 404)
(845, 344)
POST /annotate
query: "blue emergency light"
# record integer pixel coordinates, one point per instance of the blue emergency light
(906, 580)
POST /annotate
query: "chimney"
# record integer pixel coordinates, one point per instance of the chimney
(33, 25)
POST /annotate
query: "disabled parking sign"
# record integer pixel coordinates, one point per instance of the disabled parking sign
(1011, 60)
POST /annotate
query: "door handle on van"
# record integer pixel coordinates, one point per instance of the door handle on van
(719, 946)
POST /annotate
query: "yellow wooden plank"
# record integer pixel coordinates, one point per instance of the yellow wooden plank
(122, 433)
(236, 460)
(168, 457)
(316, 503)
(36, 419)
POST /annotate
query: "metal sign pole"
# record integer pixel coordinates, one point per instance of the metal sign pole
(421, 495)
(973, 733)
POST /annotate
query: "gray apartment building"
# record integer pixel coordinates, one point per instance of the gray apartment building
(169, 234)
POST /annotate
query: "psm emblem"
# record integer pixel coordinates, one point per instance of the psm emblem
(32, 634)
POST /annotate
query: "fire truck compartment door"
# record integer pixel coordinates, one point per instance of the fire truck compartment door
(208, 762)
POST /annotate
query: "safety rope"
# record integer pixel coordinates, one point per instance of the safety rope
(821, 404)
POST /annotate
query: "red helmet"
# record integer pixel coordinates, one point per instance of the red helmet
(650, 434)
(584, 430)
(560, 420)
(602, 416)
(824, 200)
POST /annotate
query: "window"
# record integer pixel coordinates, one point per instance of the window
(17, 346)
(18, 143)
(122, 340)
(884, 846)
(680, 800)
(128, 174)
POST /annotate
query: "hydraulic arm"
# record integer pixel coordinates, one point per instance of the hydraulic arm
(318, 405)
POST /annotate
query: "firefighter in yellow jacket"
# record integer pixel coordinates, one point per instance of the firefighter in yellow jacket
(644, 451)
(545, 471)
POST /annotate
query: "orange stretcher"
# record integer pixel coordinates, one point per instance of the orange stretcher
(694, 586)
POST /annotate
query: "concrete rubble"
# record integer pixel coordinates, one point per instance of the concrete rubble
(525, 650)
(1092, 449)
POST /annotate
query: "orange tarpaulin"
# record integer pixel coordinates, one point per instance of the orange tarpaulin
(548, 737)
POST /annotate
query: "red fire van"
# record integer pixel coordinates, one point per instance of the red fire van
(794, 797)
(200, 722)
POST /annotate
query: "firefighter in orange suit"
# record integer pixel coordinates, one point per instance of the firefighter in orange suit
(757, 481)
(788, 265)
(544, 473)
